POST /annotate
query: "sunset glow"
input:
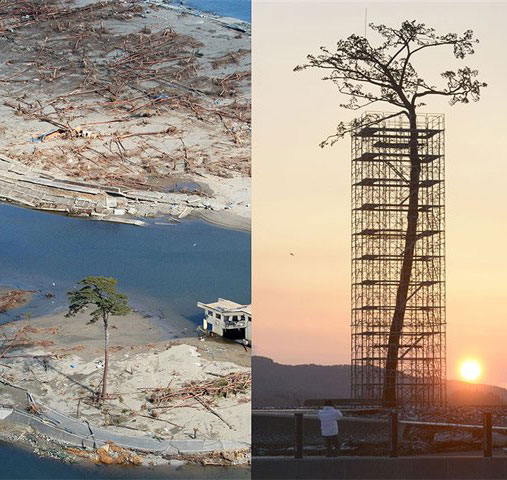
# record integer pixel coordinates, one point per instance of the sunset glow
(302, 193)
(470, 370)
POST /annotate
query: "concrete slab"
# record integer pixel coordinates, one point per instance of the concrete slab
(5, 412)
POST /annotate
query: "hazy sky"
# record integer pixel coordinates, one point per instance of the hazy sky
(301, 193)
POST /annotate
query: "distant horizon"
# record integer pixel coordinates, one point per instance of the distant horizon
(349, 365)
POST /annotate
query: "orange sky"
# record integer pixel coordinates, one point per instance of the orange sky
(301, 193)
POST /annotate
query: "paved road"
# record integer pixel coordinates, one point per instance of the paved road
(402, 468)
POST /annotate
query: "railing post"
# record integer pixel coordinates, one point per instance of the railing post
(298, 453)
(393, 434)
(487, 435)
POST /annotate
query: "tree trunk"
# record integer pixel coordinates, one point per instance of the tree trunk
(390, 388)
(106, 358)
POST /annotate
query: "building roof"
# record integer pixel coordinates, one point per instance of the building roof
(224, 306)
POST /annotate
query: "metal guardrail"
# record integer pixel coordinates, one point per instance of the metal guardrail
(394, 438)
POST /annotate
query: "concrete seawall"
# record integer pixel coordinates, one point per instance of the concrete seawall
(40, 190)
(71, 431)
(68, 432)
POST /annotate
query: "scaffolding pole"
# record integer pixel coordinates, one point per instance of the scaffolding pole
(380, 193)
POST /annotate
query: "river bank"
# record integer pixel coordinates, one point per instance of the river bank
(83, 135)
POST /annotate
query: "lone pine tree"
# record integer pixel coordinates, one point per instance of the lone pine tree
(385, 74)
(101, 293)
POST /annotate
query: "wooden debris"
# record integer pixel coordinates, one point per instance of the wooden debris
(111, 454)
(13, 299)
(204, 393)
(130, 76)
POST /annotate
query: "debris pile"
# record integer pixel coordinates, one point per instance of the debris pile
(11, 299)
(227, 385)
(204, 393)
(132, 93)
(224, 458)
(109, 454)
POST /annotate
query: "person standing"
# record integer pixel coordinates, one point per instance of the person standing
(329, 416)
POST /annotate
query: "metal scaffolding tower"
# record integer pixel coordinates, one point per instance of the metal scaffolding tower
(380, 187)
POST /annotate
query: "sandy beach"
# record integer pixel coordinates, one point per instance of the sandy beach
(60, 361)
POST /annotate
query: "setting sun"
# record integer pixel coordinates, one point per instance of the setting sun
(470, 370)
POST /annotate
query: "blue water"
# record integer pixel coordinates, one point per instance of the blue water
(164, 269)
(16, 463)
(241, 9)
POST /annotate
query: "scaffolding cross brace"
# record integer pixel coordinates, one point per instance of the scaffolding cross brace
(380, 187)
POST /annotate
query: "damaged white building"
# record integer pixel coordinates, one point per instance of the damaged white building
(227, 319)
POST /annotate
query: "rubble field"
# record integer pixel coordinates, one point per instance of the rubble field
(184, 390)
(123, 108)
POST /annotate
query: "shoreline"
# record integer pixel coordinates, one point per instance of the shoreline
(178, 206)
(223, 219)
(172, 469)
(74, 353)
(224, 19)
(32, 443)
(144, 329)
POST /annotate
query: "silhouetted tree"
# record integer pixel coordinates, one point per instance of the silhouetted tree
(368, 74)
(101, 292)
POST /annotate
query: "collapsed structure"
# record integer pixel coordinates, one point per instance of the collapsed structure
(381, 184)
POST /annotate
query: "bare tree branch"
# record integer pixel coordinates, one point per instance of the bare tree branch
(385, 73)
